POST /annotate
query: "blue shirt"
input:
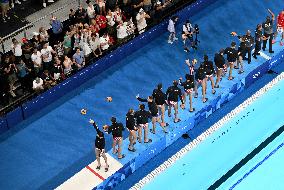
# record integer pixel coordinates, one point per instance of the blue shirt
(56, 26)
(22, 70)
(79, 58)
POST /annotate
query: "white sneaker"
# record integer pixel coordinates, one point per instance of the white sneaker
(12, 5)
(50, 1)
(18, 2)
(44, 4)
(170, 42)
(175, 39)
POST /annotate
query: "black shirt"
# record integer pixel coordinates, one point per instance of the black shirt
(173, 93)
(209, 68)
(219, 60)
(116, 129)
(249, 41)
(258, 35)
(130, 121)
(200, 74)
(159, 97)
(268, 27)
(142, 116)
(100, 139)
(188, 84)
(232, 54)
(151, 105)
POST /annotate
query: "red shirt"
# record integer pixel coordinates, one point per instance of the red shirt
(280, 20)
(102, 21)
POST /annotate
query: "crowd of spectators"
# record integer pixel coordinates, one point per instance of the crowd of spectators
(49, 57)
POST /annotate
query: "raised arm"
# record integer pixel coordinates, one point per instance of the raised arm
(272, 14)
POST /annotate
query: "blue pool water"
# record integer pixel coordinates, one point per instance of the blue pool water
(221, 151)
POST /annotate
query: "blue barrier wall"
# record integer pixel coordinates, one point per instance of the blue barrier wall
(3, 124)
(14, 117)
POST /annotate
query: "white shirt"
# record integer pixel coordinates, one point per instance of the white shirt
(121, 31)
(90, 11)
(47, 52)
(110, 19)
(141, 21)
(17, 49)
(95, 43)
(104, 42)
(37, 59)
(37, 85)
(187, 28)
(171, 26)
(118, 16)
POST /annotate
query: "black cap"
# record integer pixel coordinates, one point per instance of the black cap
(175, 83)
(142, 106)
(159, 86)
(233, 44)
(113, 119)
(205, 57)
(187, 77)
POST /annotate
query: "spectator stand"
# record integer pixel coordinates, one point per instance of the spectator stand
(98, 65)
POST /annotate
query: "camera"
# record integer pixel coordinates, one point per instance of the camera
(196, 28)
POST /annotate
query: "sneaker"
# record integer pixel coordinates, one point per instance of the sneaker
(4, 20)
(8, 17)
(170, 42)
(12, 5)
(44, 4)
(18, 2)
(175, 39)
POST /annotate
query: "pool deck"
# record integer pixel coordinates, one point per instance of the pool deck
(89, 177)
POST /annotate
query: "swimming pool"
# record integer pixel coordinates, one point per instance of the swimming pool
(225, 151)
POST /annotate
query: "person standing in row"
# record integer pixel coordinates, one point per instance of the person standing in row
(131, 127)
(142, 117)
(232, 56)
(116, 130)
(210, 71)
(200, 79)
(188, 86)
(258, 38)
(160, 99)
(99, 146)
(153, 108)
(268, 31)
(219, 61)
(173, 95)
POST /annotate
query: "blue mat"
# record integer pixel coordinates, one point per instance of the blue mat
(44, 149)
